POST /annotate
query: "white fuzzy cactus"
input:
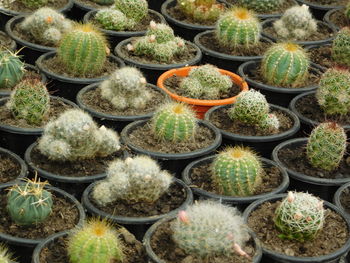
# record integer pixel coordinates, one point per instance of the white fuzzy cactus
(269, 123)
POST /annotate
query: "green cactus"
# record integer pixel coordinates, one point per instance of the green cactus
(326, 146)
(34, 4)
(347, 11)
(238, 28)
(83, 50)
(174, 122)
(269, 123)
(112, 19)
(299, 217)
(261, 6)
(29, 203)
(133, 9)
(285, 65)
(95, 242)
(5, 255)
(11, 69)
(201, 10)
(104, 2)
(341, 47)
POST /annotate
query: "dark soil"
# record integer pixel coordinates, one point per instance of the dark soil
(30, 74)
(332, 237)
(142, 137)
(339, 19)
(345, 199)
(220, 119)
(9, 168)
(322, 55)
(296, 160)
(173, 84)
(64, 216)
(166, 249)
(287, 4)
(169, 201)
(19, 7)
(328, 2)
(210, 41)
(56, 251)
(308, 107)
(5, 40)
(93, 100)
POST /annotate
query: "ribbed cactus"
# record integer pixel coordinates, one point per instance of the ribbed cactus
(134, 180)
(201, 10)
(261, 6)
(126, 88)
(237, 171)
(296, 23)
(103, 2)
(285, 64)
(95, 242)
(174, 122)
(5, 255)
(300, 216)
(341, 47)
(83, 50)
(11, 69)
(33, 4)
(238, 28)
(113, 19)
(133, 9)
(29, 203)
(74, 136)
(326, 146)
(207, 229)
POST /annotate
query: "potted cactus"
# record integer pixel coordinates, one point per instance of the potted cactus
(6, 256)
(320, 7)
(6, 42)
(12, 166)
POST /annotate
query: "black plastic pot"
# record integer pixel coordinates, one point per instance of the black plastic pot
(24, 169)
(275, 95)
(318, 10)
(112, 121)
(337, 196)
(328, 15)
(155, 4)
(174, 162)
(309, 48)
(68, 87)
(13, 45)
(261, 144)
(153, 71)
(274, 257)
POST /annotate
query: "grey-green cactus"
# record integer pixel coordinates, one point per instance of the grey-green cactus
(341, 47)
(34, 4)
(133, 9)
(261, 6)
(201, 10)
(103, 2)
(113, 19)
(11, 69)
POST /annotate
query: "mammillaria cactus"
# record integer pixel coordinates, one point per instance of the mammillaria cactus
(285, 64)
(237, 171)
(95, 242)
(126, 88)
(113, 19)
(238, 27)
(75, 136)
(201, 10)
(103, 2)
(34, 3)
(134, 180)
(29, 203)
(269, 123)
(261, 6)
(300, 216)
(326, 146)
(133, 9)
(11, 69)
(341, 47)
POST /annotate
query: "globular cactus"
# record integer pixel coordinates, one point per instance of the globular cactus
(133, 9)
(341, 47)
(5, 255)
(201, 10)
(326, 146)
(113, 19)
(237, 171)
(174, 122)
(11, 69)
(34, 4)
(103, 2)
(285, 64)
(269, 123)
(83, 50)
(296, 23)
(300, 216)
(205, 82)
(208, 229)
(261, 6)
(238, 28)
(126, 88)
(347, 11)
(134, 180)
(75, 136)
(29, 203)
(95, 242)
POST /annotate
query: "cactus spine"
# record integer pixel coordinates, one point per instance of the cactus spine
(104, 2)
(11, 69)
(261, 6)
(133, 9)
(201, 10)
(341, 47)
(112, 19)
(34, 4)
(5, 255)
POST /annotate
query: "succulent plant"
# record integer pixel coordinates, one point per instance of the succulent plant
(104, 2)
(34, 3)
(341, 47)
(11, 69)
(113, 19)
(296, 23)
(238, 28)
(300, 216)
(261, 6)
(201, 10)
(347, 11)
(269, 123)
(126, 88)
(133, 9)
(95, 242)
(75, 136)
(285, 64)
(326, 146)
(5, 255)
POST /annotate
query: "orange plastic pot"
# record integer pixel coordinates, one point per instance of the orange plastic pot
(200, 106)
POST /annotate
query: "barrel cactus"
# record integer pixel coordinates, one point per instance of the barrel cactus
(11, 69)
(261, 6)
(201, 10)
(34, 4)
(341, 47)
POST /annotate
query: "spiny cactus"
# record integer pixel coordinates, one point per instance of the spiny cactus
(341, 47)
(261, 6)
(174, 122)
(208, 229)
(238, 28)
(300, 216)
(83, 50)
(126, 88)
(134, 180)
(269, 123)
(74, 136)
(347, 11)
(133, 9)
(29, 203)
(201, 10)
(113, 19)
(34, 4)
(5, 255)
(11, 69)
(95, 242)
(237, 171)
(326, 146)
(103, 2)
(285, 64)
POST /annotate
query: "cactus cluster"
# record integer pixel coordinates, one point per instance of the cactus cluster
(5, 255)
(11, 69)
(238, 28)
(95, 242)
(74, 136)
(285, 65)
(341, 47)
(261, 6)
(46, 26)
(326, 146)
(34, 4)
(134, 180)
(126, 88)
(300, 216)
(296, 23)
(201, 10)
(29, 203)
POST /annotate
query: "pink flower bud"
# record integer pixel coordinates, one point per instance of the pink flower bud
(298, 216)
(153, 25)
(143, 81)
(130, 47)
(181, 44)
(320, 205)
(290, 197)
(240, 251)
(183, 217)
(152, 38)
